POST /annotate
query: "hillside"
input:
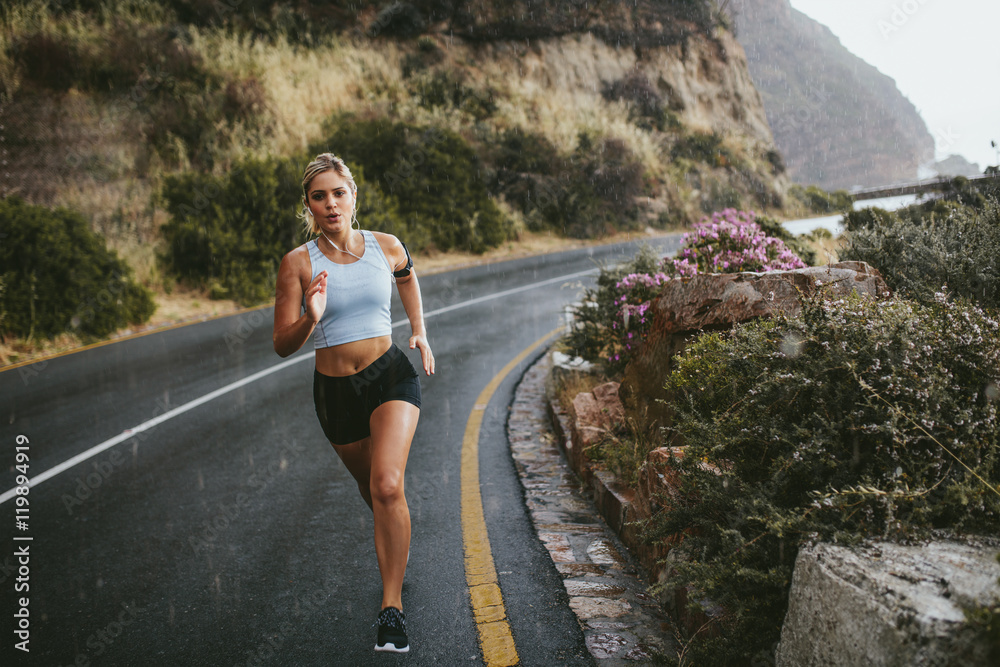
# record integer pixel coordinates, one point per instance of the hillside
(177, 128)
(837, 120)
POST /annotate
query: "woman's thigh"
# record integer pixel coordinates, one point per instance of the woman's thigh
(357, 457)
(392, 424)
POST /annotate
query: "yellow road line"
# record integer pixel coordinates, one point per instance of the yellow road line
(484, 589)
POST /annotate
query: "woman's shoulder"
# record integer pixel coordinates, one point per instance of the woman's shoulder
(301, 249)
(391, 247)
(298, 256)
(384, 238)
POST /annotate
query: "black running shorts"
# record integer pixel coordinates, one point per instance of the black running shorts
(345, 405)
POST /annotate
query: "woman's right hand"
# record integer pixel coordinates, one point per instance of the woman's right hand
(315, 297)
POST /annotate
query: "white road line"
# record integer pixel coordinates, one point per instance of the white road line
(128, 434)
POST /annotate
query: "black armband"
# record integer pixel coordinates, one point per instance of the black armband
(405, 271)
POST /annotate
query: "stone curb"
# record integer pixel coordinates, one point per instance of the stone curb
(621, 623)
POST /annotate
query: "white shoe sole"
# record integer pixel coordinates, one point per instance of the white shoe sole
(391, 648)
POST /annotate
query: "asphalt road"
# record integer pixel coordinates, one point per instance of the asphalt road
(230, 534)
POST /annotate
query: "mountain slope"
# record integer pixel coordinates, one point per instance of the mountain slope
(837, 120)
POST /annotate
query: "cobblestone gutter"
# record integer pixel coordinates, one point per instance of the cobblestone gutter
(621, 623)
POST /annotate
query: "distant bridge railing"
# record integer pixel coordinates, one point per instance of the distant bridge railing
(912, 188)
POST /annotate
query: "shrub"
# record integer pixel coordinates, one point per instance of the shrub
(856, 419)
(612, 319)
(821, 201)
(58, 276)
(433, 175)
(646, 106)
(963, 191)
(592, 192)
(703, 147)
(229, 232)
(960, 249)
(777, 162)
(447, 89)
(51, 61)
(427, 54)
(601, 331)
(869, 217)
(399, 19)
(730, 242)
(718, 194)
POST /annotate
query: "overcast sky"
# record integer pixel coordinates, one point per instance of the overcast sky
(943, 54)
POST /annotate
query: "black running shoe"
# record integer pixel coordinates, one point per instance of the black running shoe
(392, 631)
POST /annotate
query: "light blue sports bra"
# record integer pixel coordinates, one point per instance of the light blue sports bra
(357, 295)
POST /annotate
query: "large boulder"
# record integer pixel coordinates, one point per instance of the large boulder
(886, 604)
(716, 301)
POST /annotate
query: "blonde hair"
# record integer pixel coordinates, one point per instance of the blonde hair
(323, 162)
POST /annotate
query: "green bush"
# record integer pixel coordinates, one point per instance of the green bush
(821, 201)
(857, 419)
(719, 194)
(703, 147)
(588, 194)
(434, 176)
(447, 89)
(960, 196)
(299, 22)
(976, 195)
(945, 245)
(229, 233)
(869, 217)
(646, 107)
(59, 277)
(595, 336)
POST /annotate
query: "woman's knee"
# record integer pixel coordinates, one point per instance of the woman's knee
(387, 487)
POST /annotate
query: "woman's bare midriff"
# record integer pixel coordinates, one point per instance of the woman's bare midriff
(351, 358)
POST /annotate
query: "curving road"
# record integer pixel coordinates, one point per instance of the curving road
(222, 529)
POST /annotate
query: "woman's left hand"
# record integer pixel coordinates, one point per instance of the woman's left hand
(419, 341)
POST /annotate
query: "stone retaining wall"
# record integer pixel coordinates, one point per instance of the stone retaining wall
(880, 604)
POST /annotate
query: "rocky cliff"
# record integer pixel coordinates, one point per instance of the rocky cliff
(837, 120)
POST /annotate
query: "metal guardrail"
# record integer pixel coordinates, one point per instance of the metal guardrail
(912, 188)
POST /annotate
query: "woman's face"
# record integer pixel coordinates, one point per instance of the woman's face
(331, 202)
